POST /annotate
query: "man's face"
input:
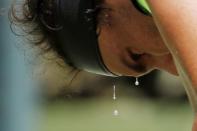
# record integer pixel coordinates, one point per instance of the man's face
(129, 41)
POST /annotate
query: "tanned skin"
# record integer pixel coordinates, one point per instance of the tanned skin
(133, 44)
(177, 23)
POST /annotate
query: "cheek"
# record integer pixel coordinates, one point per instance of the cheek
(109, 50)
(115, 57)
(128, 29)
(136, 31)
(142, 37)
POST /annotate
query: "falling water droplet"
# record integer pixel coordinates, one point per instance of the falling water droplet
(137, 82)
(115, 113)
(114, 97)
(114, 92)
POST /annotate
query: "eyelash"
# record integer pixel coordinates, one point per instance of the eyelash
(103, 15)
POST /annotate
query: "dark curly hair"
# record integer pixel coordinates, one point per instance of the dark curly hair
(39, 24)
(38, 19)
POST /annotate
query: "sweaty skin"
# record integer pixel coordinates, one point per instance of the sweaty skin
(129, 41)
(177, 23)
(133, 44)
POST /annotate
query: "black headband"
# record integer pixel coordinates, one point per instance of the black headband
(76, 32)
(78, 36)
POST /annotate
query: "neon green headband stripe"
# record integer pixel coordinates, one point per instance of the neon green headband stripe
(144, 5)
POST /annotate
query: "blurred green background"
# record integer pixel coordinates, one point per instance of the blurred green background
(134, 115)
(158, 104)
(85, 103)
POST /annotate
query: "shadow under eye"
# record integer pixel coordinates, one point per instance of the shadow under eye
(136, 65)
(135, 57)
